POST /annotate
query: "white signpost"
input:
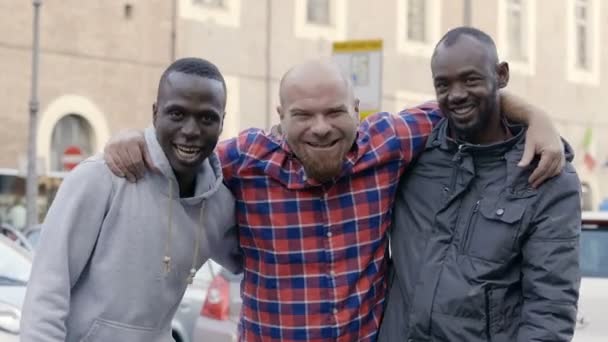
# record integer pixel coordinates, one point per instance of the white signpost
(362, 61)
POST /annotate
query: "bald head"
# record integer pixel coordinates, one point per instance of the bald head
(454, 35)
(310, 76)
(318, 113)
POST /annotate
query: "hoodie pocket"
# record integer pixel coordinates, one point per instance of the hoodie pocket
(104, 330)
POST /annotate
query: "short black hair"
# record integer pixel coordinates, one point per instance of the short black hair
(452, 36)
(195, 66)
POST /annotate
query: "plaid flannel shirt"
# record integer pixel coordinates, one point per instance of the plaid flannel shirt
(314, 254)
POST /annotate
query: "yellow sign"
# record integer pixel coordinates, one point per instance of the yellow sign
(357, 46)
(364, 114)
(361, 60)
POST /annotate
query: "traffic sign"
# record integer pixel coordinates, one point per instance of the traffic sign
(72, 155)
(361, 60)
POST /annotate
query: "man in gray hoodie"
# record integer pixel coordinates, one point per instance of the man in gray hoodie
(115, 257)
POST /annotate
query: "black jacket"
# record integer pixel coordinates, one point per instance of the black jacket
(478, 255)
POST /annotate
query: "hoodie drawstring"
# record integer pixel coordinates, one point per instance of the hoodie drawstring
(167, 258)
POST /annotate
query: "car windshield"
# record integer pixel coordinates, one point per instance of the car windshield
(594, 252)
(14, 265)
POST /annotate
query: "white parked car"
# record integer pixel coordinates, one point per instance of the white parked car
(15, 266)
(592, 320)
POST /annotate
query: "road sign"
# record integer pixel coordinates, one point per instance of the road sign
(362, 61)
(72, 155)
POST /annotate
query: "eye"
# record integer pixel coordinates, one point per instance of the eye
(337, 112)
(472, 81)
(299, 114)
(208, 118)
(441, 86)
(176, 115)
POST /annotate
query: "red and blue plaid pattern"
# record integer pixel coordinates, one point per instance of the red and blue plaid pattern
(315, 253)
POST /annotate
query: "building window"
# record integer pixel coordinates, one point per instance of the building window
(70, 131)
(320, 19)
(416, 20)
(517, 34)
(515, 30)
(581, 24)
(583, 41)
(221, 12)
(210, 3)
(318, 12)
(418, 26)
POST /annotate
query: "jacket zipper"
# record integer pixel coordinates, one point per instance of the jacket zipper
(488, 309)
(470, 222)
(454, 171)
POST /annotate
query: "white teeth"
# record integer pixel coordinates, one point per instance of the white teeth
(463, 110)
(187, 152)
(321, 145)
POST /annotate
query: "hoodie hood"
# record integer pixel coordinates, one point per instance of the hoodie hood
(208, 179)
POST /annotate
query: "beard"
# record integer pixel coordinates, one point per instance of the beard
(321, 167)
(472, 130)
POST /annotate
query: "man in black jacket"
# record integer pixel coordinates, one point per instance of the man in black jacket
(478, 253)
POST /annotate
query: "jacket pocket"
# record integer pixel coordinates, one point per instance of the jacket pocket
(493, 230)
(495, 319)
(104, 330)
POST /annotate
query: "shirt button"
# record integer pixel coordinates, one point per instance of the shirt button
(332, 273)
(328, 234)
(500, 211)
(335, 311)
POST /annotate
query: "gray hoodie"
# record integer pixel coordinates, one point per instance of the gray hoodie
(100, 273)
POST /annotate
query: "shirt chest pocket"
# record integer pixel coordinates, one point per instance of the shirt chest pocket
(493, 230)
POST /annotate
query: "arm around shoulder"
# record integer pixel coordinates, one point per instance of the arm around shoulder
(225, 247)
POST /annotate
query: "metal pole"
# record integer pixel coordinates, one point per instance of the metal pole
(466, 15)
(32, 176)
(268, 62)
(173, 29)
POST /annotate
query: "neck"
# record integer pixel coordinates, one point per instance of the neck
(187, 184)
(492, 131)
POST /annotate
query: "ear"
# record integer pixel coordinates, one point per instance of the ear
(154, 113)
(281, 112)
(502, 73)
(222, 122)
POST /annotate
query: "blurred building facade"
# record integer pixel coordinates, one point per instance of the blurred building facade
(553, 48)
(101, 61)
(99, 65)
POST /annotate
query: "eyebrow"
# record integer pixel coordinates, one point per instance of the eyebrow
(464, 73)
(340, 108)
(175, 106)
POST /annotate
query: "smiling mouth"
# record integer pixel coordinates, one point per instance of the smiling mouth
(323, 145)
(187, 153)
(463, 111)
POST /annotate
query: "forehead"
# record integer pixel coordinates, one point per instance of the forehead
(178, 85)
(465, 53)
(316, 93)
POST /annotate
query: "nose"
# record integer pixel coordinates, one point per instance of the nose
(190, 128)
(320, 127)
(457, 94)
